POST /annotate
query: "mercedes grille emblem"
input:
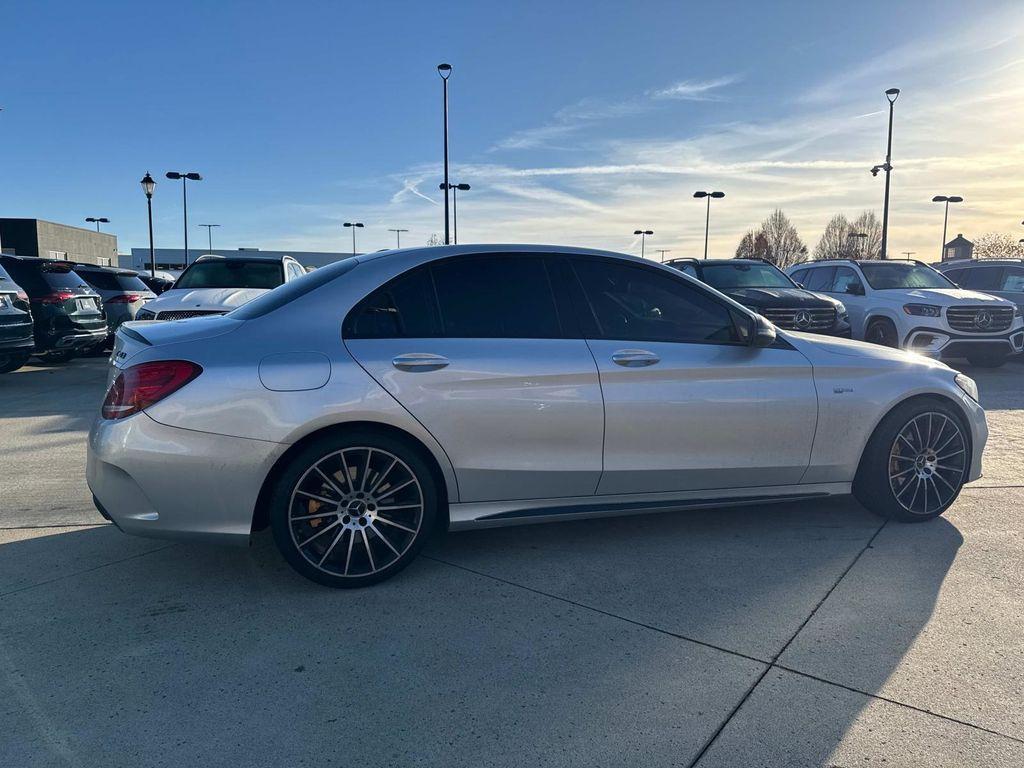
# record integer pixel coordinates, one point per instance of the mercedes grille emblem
(983, 319)
(802, 319)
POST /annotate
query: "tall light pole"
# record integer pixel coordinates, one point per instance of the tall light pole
(707, 218)
(98, 221)
(354, 225)
(455, 206)
(663, 251)
(185, 177)
(643, 238)
(947, 199)
(148, 185)
(209, 234)
(892, 94)
(445, 71)
(398, 236)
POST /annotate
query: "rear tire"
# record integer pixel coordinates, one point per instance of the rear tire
(915, 463)
(354, 508)
(13, 362)
(883, 332)
(987, 359)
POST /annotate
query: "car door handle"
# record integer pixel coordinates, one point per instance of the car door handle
(420, 361)
(634, 358)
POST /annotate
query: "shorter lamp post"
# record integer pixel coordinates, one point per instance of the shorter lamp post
(398, 236)
(947, 199)
(455, 188)
(863, 237)
(643, 238)
(148, 185)
(98, 221)
(354, 225)
(185, 178)
(707, 218)
(662, 252)
(209, 235)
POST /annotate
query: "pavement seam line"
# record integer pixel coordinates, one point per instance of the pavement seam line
(600, 611)
(897, 703)
(771, 665)
(87, 570)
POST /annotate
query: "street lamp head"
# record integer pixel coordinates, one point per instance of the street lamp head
(462, 187)
(700, 194)
(193, 176)
(940, 199)
(444, 70)
(173, 175)
(955, 199)
(353, 224)
(718, 195)
(637, 232)
(148, 184)
(648, 232)
(892, 94)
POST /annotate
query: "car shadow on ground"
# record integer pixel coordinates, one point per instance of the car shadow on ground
(743, 580)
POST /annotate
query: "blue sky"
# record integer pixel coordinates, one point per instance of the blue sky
(574, 122)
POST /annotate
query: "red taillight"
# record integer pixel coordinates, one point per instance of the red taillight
(142, 385)
(124, 298)
(57, 297)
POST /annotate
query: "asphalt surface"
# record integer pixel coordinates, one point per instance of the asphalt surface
(787, 635)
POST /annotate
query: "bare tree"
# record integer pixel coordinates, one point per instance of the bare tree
(783, 246)
(745, 250)
(834, 242)
(997, 245)
(435, 239)
(868, 224)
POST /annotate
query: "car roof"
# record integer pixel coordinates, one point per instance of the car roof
(961, 263)
(435, 252)
(820, 262)
(242, 256)
(80, 267)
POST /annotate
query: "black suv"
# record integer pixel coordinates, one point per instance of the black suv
(764, 288)
(15, 325)
(67, 314)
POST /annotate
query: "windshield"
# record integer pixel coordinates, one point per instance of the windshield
(725, 276)
(232, 273)
(891, 275)
(292, 290)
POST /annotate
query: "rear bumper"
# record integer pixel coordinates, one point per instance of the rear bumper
(17, 344)
(153, 480)
(77, 339)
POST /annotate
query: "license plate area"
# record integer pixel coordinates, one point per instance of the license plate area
(85, 305)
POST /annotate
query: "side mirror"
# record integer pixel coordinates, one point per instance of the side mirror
(855, 289)
(762, 333)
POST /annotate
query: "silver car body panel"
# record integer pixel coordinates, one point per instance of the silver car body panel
(512, 425)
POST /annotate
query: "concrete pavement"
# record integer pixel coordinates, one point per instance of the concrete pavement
(808, 634)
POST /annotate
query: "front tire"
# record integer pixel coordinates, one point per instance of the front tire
(353, 509)
(915, 463)
(883, 332)
(13, 362)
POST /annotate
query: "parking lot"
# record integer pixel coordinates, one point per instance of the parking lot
(796, 634)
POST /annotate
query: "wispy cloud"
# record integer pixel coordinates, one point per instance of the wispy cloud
(411, 187)
(695, 90)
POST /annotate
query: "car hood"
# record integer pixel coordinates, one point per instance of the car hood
(947, 297)
(224, 299)
(778, 297)
(815, 346)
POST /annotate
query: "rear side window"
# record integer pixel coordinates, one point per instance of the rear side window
(844, 278)
(983, 279)
(819, 279)
(405, 308)
(638, 304)
(1013, 279)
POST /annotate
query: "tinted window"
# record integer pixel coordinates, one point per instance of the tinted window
(496, 297)
(844, 278)
(891, 275)
(725, 276)
(634, 303)
(684, 267)
(292, 290)
(983, 279)
(111, 281)
(819, 279)
(1013, 279)
(954, 274)
(404, 308)
(799, 275)
(231, 273)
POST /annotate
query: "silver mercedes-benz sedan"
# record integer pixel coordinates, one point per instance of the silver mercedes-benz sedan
(386, 397)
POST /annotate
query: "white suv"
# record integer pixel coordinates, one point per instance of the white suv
(909, 305)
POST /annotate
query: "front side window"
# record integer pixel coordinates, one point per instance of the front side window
(901, 276)
(729, 276)
(634, 303)
(983, 279)
(232, 273)
(844, 278)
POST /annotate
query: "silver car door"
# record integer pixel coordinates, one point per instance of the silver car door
(688, 406)
(474, 349)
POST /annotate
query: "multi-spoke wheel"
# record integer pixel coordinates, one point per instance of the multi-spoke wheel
(916, 462)
(350, 511)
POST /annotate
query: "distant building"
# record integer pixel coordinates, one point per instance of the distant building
(35, 237)
(958, 248)
(173, 259)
